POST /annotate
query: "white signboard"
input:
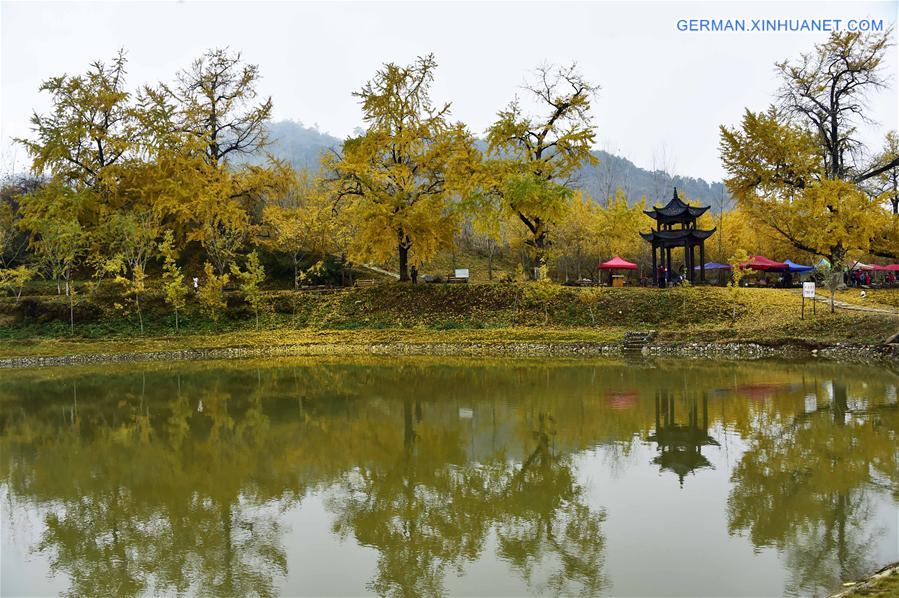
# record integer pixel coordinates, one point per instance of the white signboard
(461, 272)
(808, 290)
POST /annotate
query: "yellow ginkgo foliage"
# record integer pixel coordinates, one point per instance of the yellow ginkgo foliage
(399, 179)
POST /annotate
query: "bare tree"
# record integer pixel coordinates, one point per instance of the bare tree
(608, 175)
(217, 96)
(886, 184)
(828, 91)
(663, 167)
(721, 203)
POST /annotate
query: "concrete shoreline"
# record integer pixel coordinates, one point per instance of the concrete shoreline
(730, 350)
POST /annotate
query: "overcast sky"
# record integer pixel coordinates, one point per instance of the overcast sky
(663, 92)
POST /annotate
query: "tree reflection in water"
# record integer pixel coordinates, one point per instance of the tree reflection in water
(429, 509)
(164, 483)
(805, 486)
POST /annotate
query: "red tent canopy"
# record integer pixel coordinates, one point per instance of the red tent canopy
(616, 263)
(892, 267)
(879, 268)
(760, 262)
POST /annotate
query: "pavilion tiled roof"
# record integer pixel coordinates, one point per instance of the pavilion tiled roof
(679, 234)
(675, 210)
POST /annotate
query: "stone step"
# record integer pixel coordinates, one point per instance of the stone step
(635, 341)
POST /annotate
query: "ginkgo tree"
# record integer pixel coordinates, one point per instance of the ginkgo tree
(250, 280)
(76, 148)
(199, 127)
(798, 167)
(300, 223)
(399, 180)
(534, 158)
(89, 127)
(174, 289)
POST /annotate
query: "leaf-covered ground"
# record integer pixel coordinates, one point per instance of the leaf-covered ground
(393, 312)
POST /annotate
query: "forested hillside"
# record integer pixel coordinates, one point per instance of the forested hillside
(302, 146)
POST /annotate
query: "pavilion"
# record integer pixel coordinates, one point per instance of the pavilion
(666, 237)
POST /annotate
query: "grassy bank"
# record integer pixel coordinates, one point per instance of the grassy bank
(484, 313)
(884, 584)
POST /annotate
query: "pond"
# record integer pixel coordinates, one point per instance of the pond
(424, 476)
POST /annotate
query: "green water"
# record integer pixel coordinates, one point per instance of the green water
(461, 477)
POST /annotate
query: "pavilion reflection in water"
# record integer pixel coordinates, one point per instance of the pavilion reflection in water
(680, 443)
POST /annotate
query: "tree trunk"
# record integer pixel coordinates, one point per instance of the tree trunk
(296, 273)
(895, 198)
(577, 264)
(490, 262)
(140, 317)
(71, 307)
(403, 253)
(176, 320)
(539, 253)
(835, 277)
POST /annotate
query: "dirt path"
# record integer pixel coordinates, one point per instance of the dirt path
(855, 307)
(381, 271)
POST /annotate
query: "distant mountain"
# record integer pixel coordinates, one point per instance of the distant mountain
(612, 172)
(302, 146)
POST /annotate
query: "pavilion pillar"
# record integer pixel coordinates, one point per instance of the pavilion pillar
(693, 258)
(655, 270)
(658, 408)
(705, 412)
(702, 261)
(667, 265)
(690, 262)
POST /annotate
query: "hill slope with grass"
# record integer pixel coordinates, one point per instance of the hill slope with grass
(489, 313)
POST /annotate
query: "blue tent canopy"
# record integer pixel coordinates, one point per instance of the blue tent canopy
(714, 266)
(794, 267)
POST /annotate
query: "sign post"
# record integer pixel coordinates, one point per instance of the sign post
(808, 290)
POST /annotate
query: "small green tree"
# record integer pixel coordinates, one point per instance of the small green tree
(736, 275)
(132, 236)
(211, 294)
(14, 279)
(542, 292)
(172, 277)
(134, 288)
(832, 275)
(250, 281)
(59, 244)
(102, 266)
